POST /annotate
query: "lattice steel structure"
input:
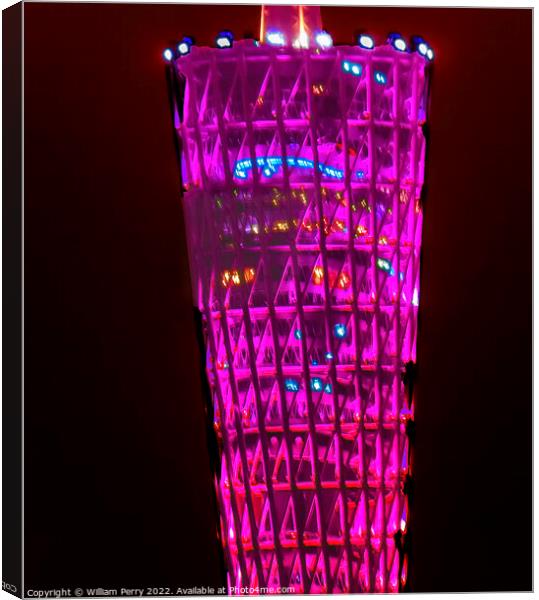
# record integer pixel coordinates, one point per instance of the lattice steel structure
(303, 170)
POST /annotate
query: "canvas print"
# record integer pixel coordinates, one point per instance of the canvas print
(267, 299)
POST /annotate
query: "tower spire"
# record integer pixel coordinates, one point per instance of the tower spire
(296, 23)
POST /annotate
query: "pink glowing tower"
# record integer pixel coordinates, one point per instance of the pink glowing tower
(302, 168)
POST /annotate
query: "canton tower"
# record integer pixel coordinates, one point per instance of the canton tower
(302, 170)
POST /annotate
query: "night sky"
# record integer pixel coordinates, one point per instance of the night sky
(118, 484)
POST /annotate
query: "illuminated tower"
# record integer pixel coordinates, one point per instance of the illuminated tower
(302, 168)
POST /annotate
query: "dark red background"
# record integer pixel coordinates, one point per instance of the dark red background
(118, 489)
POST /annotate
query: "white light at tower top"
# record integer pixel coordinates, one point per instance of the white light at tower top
(183, 48)
(422, 48)
(430, 54)
(168, 55)
(275, 38)
(323, 39)
(366, 41)
(224, 40)
(399, 44)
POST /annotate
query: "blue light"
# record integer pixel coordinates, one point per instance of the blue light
(350, 67)
(385, 265)
(340, 330)
(269, 170)
(275, 38)
(291, 385)
(380, 77)
(297, 334)
(316, 384)
(327, 388)
(323, 39)
(366, 41)
(224, 39)
(314, 362)
(329, 355)
(270, 164)
(168, 54)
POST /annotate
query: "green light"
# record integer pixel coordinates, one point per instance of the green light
(385, 266)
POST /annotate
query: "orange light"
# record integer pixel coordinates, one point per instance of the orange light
(281, 226)
(325, 223)
(303, 40)
(249, 274)
(308, 225)
(262, 26)
(318, 275)
(225, 278)
(229, 278)
(338, 225)
(344, 281)
(361, 230)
